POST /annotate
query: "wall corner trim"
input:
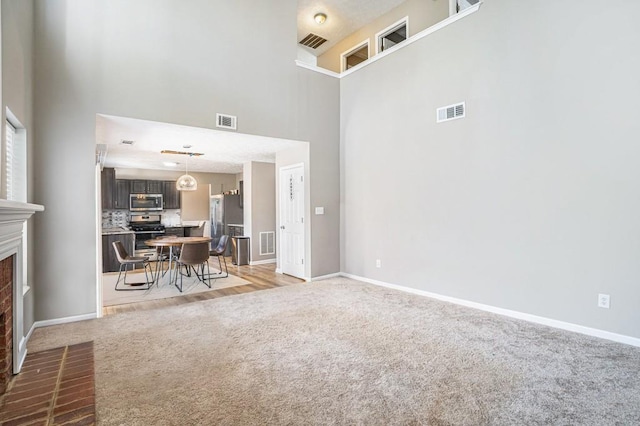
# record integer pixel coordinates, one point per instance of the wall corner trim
(594, 332)
(317, 69)
(326, 277)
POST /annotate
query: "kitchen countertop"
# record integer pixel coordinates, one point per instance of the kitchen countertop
(116, 231)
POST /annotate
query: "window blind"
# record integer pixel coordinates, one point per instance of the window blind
(16, 163)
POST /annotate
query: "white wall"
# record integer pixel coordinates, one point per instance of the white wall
(17, 92)
(531, 202)
(260, 205)
(168, 61)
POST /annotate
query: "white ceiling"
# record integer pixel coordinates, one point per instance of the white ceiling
(344, 17)
(224, 151)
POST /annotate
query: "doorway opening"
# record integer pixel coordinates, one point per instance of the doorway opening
(234, 165)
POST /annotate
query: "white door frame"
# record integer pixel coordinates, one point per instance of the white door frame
(98, 230)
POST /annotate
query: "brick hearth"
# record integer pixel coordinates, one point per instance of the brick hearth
(55, 387)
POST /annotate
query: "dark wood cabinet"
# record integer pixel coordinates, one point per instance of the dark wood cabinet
(123, 188)
(109, 260)
(146, 186)
(170, 195)
(155, 186)
(115, 192)
(108, 187)
(138, 186)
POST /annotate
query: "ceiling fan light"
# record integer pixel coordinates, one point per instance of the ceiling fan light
(186, 182)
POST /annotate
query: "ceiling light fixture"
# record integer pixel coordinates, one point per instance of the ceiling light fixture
(320, 18)
(186, 182)
(170, 163)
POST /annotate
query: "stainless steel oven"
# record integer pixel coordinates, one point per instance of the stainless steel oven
(145, 202)
(142, 236)
(146, 227)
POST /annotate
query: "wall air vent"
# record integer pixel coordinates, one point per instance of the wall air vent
(450, 112)
(267, 242)
(225, 121)
(313, 41)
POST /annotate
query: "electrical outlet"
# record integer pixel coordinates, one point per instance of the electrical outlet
(603, 301)
(378, 263)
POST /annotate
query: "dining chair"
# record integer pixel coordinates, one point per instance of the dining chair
(197, 232)
(126, 261)
(162, 256)
(194, 255)
(218, 252)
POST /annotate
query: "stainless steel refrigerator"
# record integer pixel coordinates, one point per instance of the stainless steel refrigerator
(226, 217)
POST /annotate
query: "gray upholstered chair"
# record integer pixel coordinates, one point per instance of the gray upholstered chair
(194, 255)
(127, 261)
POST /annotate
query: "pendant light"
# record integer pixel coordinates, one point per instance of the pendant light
(186, 182)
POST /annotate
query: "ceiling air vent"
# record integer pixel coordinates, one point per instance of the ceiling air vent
(313, 41)
(127, 142)
(225, 121)
(450, 112)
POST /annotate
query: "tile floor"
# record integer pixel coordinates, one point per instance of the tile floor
(55, 387)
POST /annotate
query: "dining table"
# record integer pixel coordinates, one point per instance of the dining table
(172, 242)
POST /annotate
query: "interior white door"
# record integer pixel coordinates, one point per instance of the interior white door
(292, 235)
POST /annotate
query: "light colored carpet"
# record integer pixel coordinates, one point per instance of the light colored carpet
(190, 285)
(343, 352)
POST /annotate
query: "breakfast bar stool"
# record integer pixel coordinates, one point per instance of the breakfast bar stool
(126, 261)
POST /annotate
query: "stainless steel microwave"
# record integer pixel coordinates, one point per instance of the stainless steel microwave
(145, 202)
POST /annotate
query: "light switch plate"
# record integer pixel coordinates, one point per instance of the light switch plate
(319, 210)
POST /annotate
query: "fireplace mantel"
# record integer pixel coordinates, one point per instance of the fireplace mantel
(13, 215)
(12, 211)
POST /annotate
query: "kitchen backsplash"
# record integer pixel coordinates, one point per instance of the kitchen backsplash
(116, 218)
(171, 217)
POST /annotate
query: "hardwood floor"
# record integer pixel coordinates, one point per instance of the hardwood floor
(261, 277)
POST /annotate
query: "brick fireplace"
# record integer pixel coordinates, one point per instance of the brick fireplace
(13, 344)
(6, 321)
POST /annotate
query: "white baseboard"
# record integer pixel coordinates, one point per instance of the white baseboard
(28, 336)
(57, 321)
(64, 320)
(279, 271)
(620, 338)
(263, 262)
(326, 277)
